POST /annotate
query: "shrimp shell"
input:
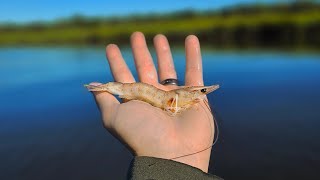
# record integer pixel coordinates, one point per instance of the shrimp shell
(173, 102)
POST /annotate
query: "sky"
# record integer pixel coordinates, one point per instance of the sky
(23, 11)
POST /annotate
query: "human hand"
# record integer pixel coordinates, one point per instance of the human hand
(150, 131)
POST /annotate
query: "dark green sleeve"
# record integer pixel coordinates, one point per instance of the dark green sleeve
(143, 167)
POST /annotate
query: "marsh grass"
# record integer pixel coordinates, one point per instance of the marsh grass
(276, 25)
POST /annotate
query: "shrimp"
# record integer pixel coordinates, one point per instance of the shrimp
(174, 101)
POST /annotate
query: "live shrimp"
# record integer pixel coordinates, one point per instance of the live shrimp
(174, 101)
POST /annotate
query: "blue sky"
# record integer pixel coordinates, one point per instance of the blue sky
(34, 10)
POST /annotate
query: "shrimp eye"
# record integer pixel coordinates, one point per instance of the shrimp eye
(204, 90)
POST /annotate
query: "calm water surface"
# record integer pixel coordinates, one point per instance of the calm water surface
(268, 110)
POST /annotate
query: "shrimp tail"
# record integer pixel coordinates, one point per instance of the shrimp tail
(114, 88)
(94, 87)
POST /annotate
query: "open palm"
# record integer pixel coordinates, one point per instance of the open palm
(147, 130)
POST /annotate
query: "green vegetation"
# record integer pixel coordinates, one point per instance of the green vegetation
(296, 24)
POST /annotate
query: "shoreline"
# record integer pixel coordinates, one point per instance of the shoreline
(292, 25)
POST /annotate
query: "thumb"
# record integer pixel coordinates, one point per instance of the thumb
(107, 104)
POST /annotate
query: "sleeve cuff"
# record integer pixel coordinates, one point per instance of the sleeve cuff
(143, 167)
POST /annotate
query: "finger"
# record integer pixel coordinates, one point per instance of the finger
(193, 75)
(146, 71)
(164, 57)
(118, 66)
(107, 104)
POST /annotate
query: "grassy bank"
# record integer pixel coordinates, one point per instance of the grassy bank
(276, 25)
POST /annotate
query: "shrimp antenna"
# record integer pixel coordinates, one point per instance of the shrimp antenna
(217, 131)
(206, 102)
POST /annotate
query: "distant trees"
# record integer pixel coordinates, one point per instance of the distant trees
(295, 24)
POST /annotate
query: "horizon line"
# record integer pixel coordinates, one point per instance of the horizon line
(138, 14)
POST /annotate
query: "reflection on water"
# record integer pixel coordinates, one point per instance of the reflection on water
(267, 109)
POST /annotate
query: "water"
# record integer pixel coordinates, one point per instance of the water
(267, 110)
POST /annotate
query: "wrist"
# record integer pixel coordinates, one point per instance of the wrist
(144, 167)
(200, 160)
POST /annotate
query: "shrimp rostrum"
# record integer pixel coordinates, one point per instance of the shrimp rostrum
(173, 101)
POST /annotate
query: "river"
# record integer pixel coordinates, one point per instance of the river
(268, 111)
